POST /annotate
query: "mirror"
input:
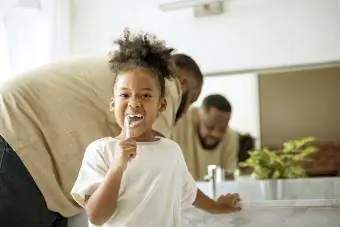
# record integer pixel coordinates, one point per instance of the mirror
(277, 106)
(303, 103)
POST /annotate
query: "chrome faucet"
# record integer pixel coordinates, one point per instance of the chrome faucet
(215, 175)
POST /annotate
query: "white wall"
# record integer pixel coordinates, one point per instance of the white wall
(242, 93)
(299, 104)
(28, 39)
(251, 34)
(32, 35)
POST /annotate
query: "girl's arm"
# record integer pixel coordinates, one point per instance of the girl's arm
(193, 195)
(224, 204)
(98, 183)
(101, 205)
(103, 202)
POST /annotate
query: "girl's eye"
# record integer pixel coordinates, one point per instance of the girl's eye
(146, 96)
(123, 95)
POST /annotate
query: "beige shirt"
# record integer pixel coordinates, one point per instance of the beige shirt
(197, 158)
(49, 115)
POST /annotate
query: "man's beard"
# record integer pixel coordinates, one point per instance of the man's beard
(202, 141)
(181, 107)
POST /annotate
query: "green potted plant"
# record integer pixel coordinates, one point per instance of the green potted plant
(272, 166)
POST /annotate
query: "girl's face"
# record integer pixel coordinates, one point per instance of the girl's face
(137, 95)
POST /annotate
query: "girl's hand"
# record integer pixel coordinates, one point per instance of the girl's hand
(229, 203)
(128, 148)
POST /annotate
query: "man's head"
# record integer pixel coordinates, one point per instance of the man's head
(191, 79)
(214, 116)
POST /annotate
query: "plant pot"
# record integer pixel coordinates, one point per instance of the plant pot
(272, 189)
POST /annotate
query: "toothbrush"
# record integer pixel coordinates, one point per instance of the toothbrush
(127, 127)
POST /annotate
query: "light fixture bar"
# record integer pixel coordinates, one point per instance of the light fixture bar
(175, 5)
(33, 4)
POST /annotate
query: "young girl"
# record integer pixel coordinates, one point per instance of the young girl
(137, 179)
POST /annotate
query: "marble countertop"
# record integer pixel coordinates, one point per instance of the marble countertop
(278, 213)
(292, 203)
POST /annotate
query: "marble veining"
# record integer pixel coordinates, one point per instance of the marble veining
(320, 213)
(275, 213)
(306, 203)
(292, 203)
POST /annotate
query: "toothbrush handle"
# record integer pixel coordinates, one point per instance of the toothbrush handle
(126, 127)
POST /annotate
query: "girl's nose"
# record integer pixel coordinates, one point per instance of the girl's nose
(134, 104)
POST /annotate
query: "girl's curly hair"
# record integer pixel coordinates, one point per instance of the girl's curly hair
(145, 51)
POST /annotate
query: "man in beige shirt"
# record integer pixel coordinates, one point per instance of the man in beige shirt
(205, 137)
(48, 117)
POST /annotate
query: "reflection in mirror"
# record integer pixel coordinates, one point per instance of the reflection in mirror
(269, 109)
(299, 104)
(220, 124)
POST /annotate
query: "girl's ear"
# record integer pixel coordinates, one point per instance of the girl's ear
(112, 104)
(162, 106)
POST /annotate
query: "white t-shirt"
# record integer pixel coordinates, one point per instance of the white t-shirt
(154, 188)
